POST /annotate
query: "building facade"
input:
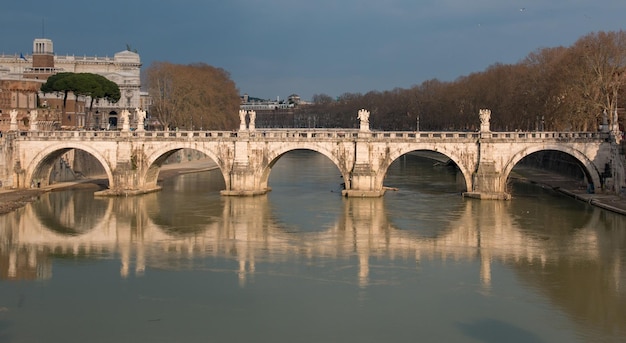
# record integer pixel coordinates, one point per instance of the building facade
(21, 76)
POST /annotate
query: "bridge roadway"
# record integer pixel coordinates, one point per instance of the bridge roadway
(132, 160)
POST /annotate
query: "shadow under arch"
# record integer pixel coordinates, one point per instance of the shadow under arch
(277, 154)
(305, 192)
(426, 171)
(41, 166)
(591, 172)
(184, 209)
(394, 155)
(157, 158)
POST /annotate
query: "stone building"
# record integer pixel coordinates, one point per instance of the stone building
(21, 76)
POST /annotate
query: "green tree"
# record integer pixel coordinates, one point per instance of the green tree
(59, 83)
(86, 84)
(98, 87)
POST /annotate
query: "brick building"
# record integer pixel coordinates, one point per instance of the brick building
(22, 75)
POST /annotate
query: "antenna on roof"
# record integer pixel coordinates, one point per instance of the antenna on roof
(43, 28)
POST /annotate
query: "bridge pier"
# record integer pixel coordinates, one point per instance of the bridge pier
(244, 178)
(487, 183)
(126, 180)
(115, 192)
(364, 181)
(244, 181)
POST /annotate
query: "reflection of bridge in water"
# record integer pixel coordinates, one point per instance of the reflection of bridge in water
(243, 229)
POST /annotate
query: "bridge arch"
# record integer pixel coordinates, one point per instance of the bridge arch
(394, 155)
(275, 154)
(589, 168)
(41, 166)
(156, 159)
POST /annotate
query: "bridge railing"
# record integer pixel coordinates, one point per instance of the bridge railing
(317, 134)
(186, 134)
(355, 134)
(427, 135)
(118, 134)
(413, 135)
(548, 135)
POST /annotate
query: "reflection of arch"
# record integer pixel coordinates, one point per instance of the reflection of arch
(563, 217)
(246, 229)
(50, 213)
(394, 155)
(42, 164)
(589, 169)
(247, 219)
(496, 243)
(278, 153)
(158, 157)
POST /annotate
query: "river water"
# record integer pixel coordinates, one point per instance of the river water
(303, 264)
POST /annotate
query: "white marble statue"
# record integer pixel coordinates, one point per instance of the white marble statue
(364, 117)
(141, 118)
(34, 123)
(485, 117)
(252, 124)
(242, 119)
(13, 126)
(125, 117)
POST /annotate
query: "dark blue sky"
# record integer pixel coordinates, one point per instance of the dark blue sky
(278, 47)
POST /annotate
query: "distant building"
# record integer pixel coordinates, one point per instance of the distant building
(21, 76)
(271, 113)
(22, 96)
(276, 113)
(256, 104)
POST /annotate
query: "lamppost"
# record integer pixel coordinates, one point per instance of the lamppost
(615, 120)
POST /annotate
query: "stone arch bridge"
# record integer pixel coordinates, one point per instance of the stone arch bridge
(132, 160)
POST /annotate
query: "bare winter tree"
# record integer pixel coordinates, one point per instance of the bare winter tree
(601, 65)
(192, 97)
